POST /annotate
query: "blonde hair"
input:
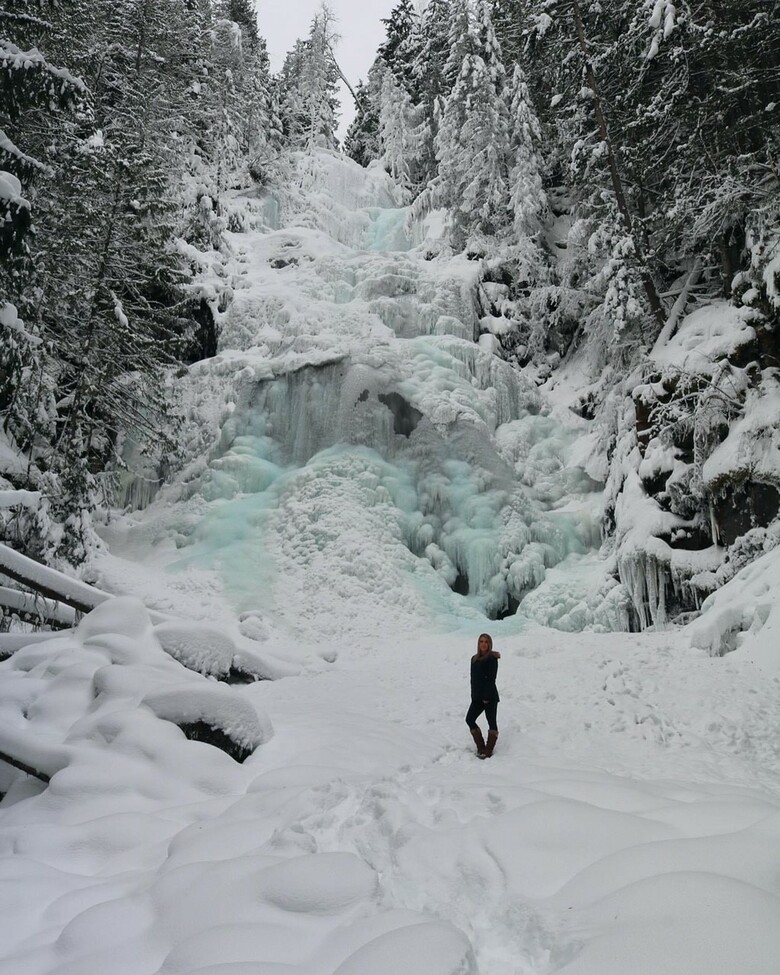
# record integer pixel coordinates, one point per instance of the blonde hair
(489, 639)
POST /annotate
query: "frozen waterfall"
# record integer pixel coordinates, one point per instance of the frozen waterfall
(352, 431)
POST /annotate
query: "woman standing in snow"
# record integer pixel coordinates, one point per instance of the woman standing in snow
(484, 694)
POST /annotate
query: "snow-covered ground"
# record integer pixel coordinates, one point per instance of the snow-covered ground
(629, 821)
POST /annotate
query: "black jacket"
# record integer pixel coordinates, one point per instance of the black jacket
(483, 678)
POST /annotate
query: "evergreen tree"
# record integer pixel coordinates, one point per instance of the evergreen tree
(398, 51)
(397, 54)
(429, 81)
(308, 80)
(472, 151)
(528, 200)
(396, 133)
(361, 142)
(488, 46)
(461, 40)
(34, 94)
(507, 16)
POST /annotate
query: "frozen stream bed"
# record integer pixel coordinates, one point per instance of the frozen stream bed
(365, 483)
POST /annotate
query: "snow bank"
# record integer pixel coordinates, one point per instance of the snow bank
(744, 616)
(626, 822)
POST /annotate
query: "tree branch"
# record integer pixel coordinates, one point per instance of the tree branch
(9, 760)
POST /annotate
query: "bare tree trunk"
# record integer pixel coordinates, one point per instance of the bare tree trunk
(343, 76)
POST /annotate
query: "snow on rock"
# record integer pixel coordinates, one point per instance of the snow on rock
(694, 483)
(216, 707)
(205, 649)
(744, 616)
(648, 564)
(61, 699)
(752, 447)
(706, 336)
(210, 650)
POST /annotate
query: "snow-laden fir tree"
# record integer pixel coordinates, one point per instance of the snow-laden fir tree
(34, 93)
(472, 152)
(489, 47)
(528, 200)
(308, 82)
(399, 49)
(397, 133)
(361, 142)
(472, 141)
(461, 39)
(429, 81)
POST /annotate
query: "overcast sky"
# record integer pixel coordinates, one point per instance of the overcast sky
(282, 22)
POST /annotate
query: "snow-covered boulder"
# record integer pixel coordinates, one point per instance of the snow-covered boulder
(103, 689)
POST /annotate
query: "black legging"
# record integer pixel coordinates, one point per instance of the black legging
(477, 707)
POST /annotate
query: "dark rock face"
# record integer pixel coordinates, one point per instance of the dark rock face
(742, 505)
(461, 585)
(510, 608)
(203, 343)
(405, 416)
(200, 731)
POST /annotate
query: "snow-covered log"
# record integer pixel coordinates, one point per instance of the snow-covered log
(20, 499)
(33, 608)
(11, 642)
(49, 582)
(39, 755)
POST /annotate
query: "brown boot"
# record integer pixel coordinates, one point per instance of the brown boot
(479, 741)
(491, 743)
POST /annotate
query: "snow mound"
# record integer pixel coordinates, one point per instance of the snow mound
(433, 948)
(305, 884)
(667, 926)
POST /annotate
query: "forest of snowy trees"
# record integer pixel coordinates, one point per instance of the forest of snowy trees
(653, 125)
(611, 163)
